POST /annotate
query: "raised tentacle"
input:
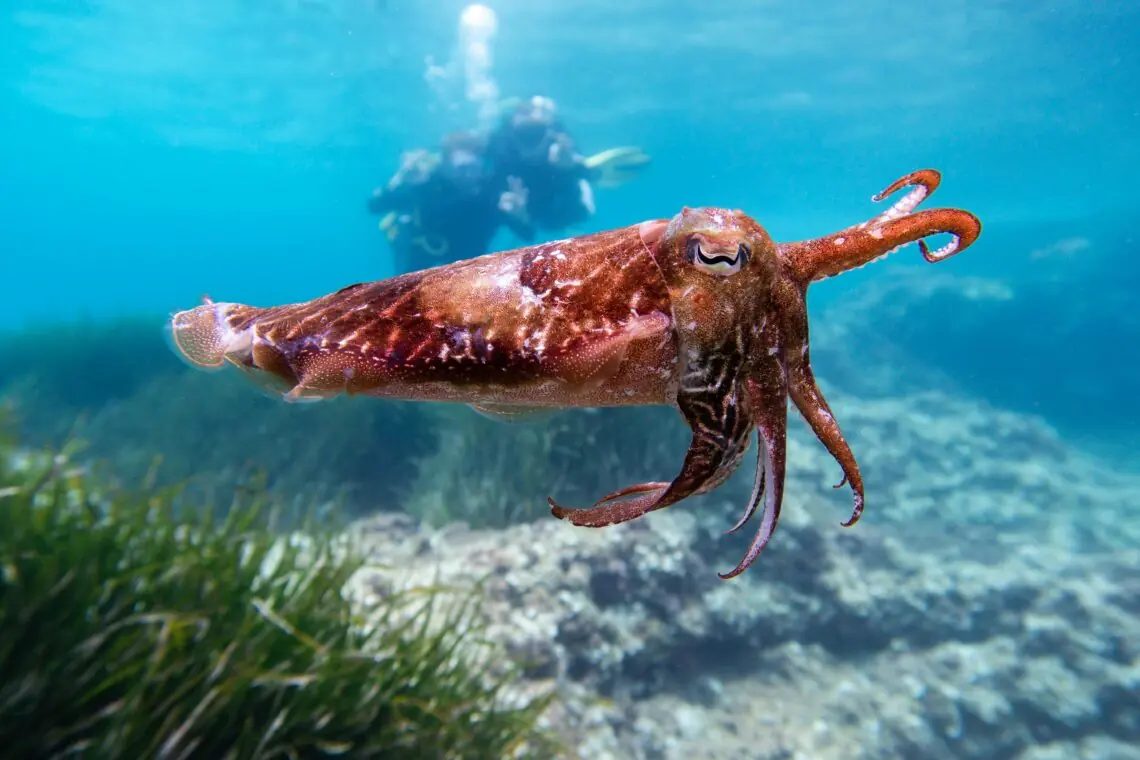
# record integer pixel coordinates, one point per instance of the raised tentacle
(828, 256)
(860, 244)
(768, 399)
(923, 182)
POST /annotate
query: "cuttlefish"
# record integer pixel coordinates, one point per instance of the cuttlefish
(703, 312)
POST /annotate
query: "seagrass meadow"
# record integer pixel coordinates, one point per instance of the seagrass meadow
(144, 623)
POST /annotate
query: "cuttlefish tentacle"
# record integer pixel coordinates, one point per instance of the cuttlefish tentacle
(808, 398)
(707, 464)
(861, 244)
(768, 401)
(721, 424)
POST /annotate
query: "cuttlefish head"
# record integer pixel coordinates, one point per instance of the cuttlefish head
(710, 241)
(727, 290)
(719, 266)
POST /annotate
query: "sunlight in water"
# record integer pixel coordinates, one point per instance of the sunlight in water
(469, 69)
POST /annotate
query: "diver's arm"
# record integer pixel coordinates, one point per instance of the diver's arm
(586, 197)
(417, 169)
(513, 211)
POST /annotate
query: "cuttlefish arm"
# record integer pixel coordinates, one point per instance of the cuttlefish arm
(861, 244)
(851, 248)
(767, 389)
(777, 375)
(809, 399)
(721, 423)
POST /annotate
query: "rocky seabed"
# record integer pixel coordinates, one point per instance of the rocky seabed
(986, 607)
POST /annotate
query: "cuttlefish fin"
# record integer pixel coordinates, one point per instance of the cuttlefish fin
(597, 359)
(203, 338)
(514, 413)
(721, 428)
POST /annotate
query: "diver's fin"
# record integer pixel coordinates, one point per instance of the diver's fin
(616, 166)
(514, 412)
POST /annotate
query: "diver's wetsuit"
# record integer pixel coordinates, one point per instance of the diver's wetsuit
(531, 144)
(527, 174)
(447, 212)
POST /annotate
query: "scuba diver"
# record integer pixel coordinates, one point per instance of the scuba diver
(526, 175)
(447, 206)
(532, 146)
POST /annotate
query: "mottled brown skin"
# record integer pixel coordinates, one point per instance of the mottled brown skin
(703, 312)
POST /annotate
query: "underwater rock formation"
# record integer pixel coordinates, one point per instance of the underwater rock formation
(987, 612)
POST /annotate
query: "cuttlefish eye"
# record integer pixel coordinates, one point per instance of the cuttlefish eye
(716, 257)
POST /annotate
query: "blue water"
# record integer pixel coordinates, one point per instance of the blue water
(151, 153)
(151, 156)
